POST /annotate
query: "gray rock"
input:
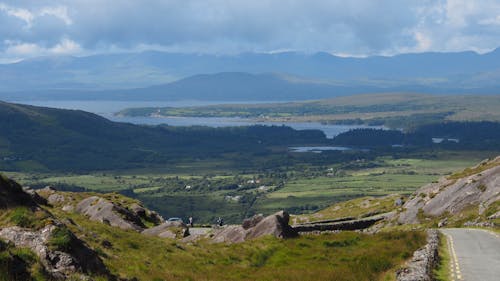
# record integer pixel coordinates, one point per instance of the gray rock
(253, 221)
(100, 209)
(165, 230)
(275, 225)
(55, 198)
(60, 265)
(68, 208)
(452, 196)
(424, 260)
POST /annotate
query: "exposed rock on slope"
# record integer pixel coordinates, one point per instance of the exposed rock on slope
(276, 225)
(100, 209)
(477, 186)
(74, 260)
(60, 265)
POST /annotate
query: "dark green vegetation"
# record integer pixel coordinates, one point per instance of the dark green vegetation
(391, 110)
(450, 135)
(45, 139)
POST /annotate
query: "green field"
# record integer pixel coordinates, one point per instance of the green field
(234, 195)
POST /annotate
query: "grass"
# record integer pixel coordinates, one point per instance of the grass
(60, 239)
(353, 208)
(343, 256)
(19, 264)
(442, 272)
(475, 170)
(23, 217)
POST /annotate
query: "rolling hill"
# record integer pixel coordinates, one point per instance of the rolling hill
(39, 138)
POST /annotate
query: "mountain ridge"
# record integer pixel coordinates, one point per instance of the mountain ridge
(426, 72)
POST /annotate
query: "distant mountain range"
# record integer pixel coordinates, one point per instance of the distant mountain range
(249, 76)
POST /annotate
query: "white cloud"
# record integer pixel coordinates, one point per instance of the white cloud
(22, 14)
(60, 12)
(359, 28)
(23, 49)
(66, 46)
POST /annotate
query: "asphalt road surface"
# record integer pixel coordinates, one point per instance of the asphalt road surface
(474, 253)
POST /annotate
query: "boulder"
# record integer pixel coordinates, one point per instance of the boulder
(253, 221)
(275, 225)
(146, 214)
(55, 198)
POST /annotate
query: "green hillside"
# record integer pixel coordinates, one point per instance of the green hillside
(46, 139)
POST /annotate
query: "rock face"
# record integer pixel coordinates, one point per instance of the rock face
(420, 267)
(276, 225)
(60, 265)
(454, 195)
(100, 209)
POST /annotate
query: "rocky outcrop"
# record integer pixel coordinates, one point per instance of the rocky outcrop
(423, 262)
(338, 224)
(102, 210)
(452, 195)
(258, 226)
(60, 265)
(169, 229)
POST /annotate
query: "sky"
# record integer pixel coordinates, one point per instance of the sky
(31, 28)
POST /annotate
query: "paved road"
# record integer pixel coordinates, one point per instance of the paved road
(475, 254)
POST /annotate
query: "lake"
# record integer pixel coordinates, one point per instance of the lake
(108, 108)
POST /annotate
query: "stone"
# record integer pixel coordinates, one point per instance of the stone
(253, 221)
(55, 198)
(275, 225)
(423, 262)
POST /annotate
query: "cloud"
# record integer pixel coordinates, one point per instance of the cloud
(19, 13)
(361, 27)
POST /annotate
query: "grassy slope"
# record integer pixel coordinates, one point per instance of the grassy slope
(344, 256)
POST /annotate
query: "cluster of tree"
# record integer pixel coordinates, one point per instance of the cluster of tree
(453, 135)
